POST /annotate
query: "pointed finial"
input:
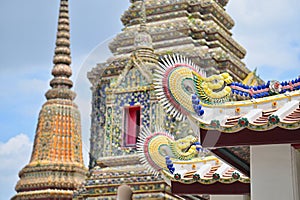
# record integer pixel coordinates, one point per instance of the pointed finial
(255, 70)
(61, 84)
(143, 16)
(143, 39)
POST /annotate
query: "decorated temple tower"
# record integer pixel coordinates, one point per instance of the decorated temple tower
(197, 29)
(56, 166)
(123, 99)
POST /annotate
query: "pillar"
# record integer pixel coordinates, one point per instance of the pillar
(274, 172)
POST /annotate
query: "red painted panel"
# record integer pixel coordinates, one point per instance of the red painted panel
(216, 188)
(246, 137)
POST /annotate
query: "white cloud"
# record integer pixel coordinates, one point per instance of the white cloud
(14, 155)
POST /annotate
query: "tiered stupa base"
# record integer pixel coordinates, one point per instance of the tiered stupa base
(43, 181)
(112, 172)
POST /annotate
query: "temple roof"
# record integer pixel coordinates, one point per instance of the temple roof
(256, 114)
(207, 175)
(229, 115)
(204, 171)
(185, 162)
(218, 103)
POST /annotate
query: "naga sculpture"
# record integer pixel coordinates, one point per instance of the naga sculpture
(183, 90)
(183, 160)
(154, 147)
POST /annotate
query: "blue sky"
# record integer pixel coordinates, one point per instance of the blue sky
(269, 30)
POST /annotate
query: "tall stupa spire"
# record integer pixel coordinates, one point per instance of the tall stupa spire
(56, 167)
(61, 71)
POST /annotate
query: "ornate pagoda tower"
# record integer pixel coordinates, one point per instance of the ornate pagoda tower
(197, 29)
(123, 98)
(56, 166)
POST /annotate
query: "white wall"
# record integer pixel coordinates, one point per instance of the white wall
(272, 172)
(296, 172)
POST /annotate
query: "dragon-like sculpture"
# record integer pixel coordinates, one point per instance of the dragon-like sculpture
(183, 160)
(154, 147)
(183, 88)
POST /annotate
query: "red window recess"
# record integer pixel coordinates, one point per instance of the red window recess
(132, 123)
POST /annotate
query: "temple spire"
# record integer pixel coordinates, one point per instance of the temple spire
(56, 166)
(143, 39)
(143, 16)
(61, 71)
